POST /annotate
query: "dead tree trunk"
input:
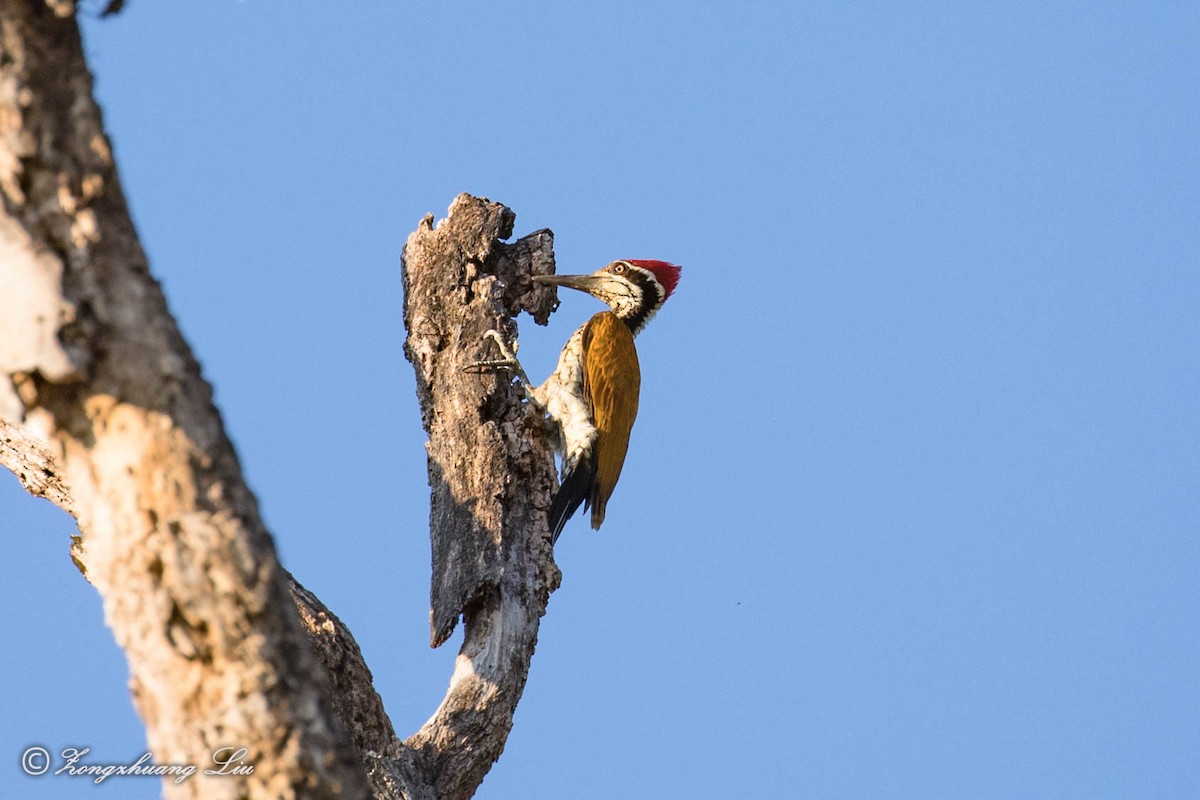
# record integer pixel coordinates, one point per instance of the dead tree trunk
(104, 411)
(491, 473)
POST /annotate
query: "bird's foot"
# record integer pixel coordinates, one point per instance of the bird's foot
(506, 363)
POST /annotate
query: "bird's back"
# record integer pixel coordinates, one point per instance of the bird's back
(612, 382)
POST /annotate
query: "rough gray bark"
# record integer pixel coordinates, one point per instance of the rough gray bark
(491, 473)
(459, 282)
(109, 417)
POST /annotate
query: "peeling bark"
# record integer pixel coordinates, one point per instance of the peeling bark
(31, 462)
(459, 282)
(491, 474)
(109, 417)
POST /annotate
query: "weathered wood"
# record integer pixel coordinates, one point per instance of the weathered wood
(491, 475)
(111, 419)
(94, 364)
(460, 281)
(31, 462)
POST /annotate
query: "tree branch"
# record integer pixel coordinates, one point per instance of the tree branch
(172, 537)
(491, 475)
(117, 426)
(31, 462)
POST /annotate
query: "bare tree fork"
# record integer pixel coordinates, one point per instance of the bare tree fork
(393, 770)
(491, 476)
(92, 364)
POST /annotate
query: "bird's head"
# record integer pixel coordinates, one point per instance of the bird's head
(635, 289)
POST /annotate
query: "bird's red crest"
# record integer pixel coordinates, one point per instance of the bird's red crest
(665, 273)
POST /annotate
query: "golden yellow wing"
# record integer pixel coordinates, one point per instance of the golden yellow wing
(612, 380)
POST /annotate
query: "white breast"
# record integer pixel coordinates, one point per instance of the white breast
(562, 396)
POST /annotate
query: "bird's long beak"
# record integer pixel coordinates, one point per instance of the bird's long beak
(584, 283)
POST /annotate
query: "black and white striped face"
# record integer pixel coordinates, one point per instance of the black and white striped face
(634, 290)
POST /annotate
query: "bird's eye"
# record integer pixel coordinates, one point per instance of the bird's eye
(619, 268)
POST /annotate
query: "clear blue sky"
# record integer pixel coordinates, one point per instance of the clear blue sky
(911, 509)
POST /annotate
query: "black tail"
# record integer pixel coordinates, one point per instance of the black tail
(575, 488)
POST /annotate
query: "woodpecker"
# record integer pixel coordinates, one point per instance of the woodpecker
(592, 395)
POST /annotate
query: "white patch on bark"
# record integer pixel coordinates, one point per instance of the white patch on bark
(31, 285)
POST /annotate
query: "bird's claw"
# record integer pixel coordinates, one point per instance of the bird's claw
(506, 363)
(483, 367)
(495, 336)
